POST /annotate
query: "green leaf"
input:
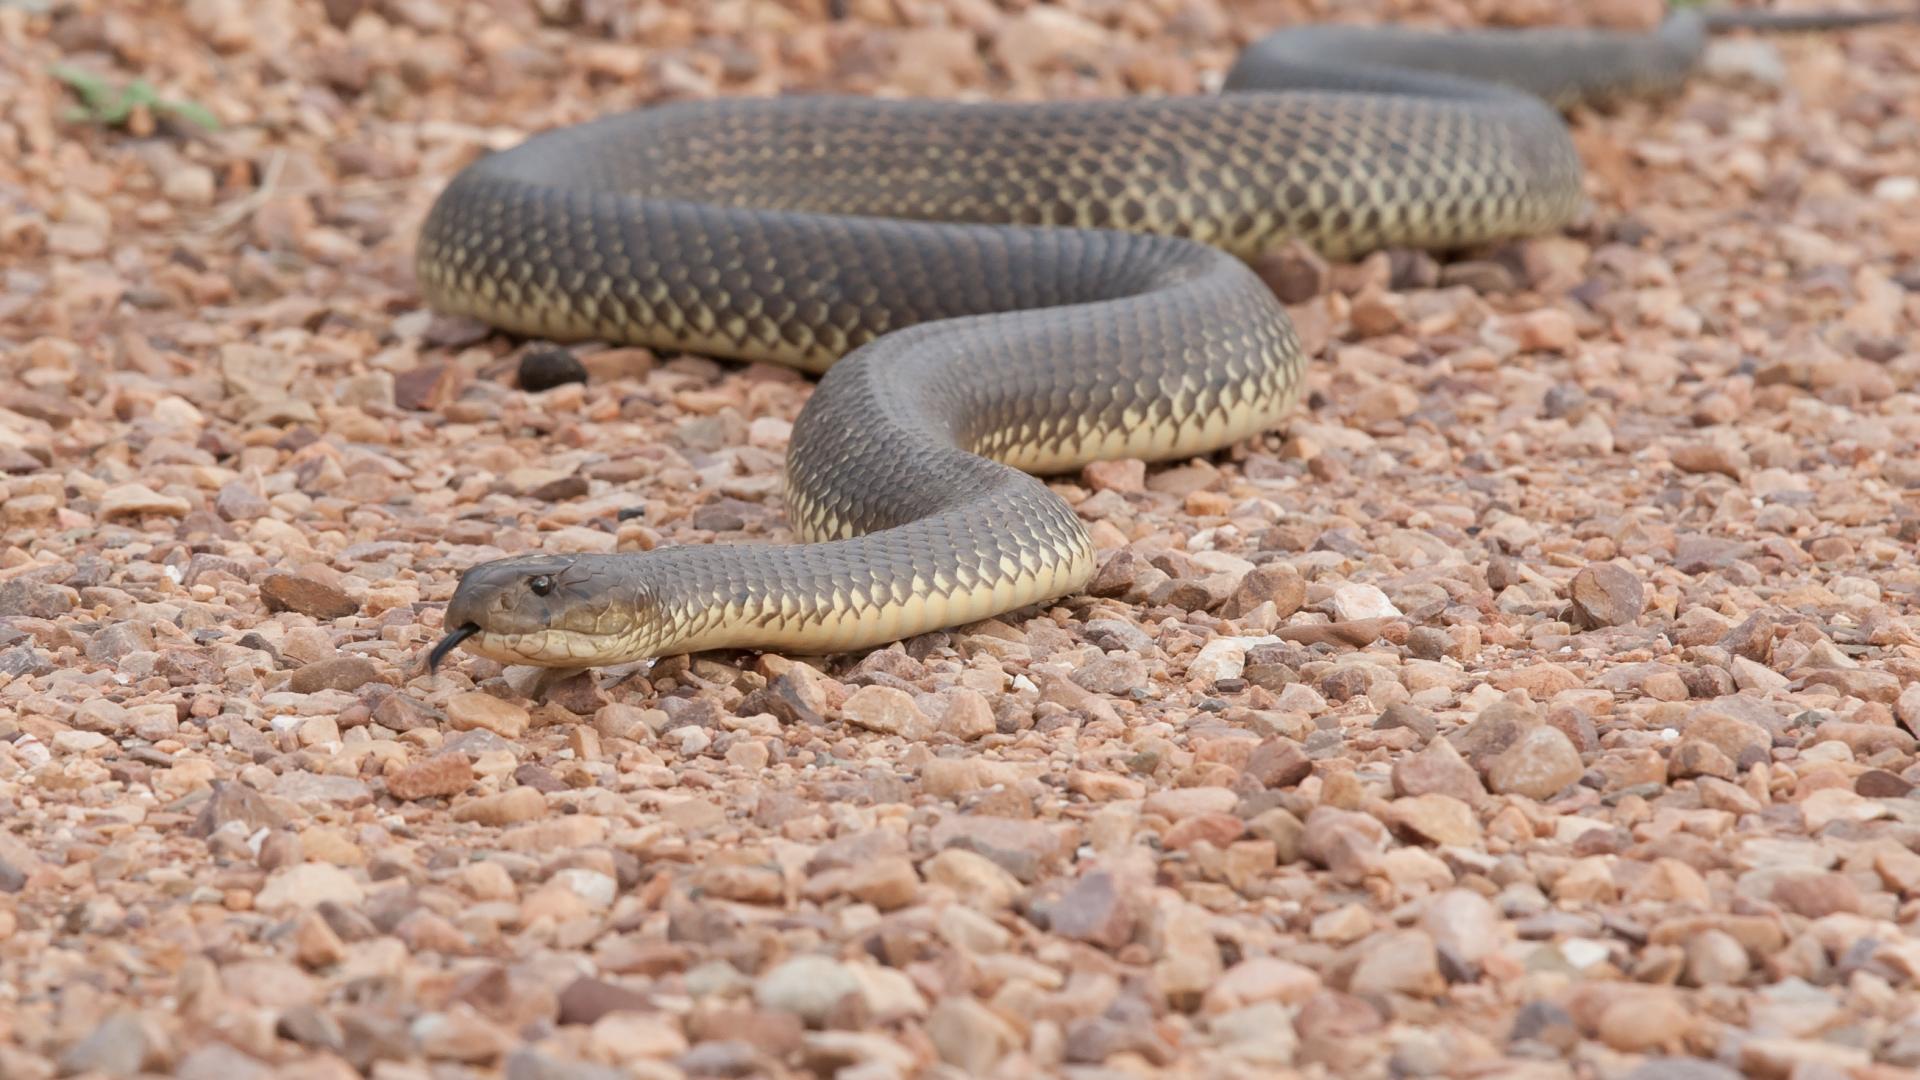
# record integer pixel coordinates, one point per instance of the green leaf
(103, 103)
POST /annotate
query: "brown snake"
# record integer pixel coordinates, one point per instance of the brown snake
(999, 290)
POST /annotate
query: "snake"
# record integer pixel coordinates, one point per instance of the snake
(992, 292)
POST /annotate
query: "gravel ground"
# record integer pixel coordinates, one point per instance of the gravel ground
(1541, 701)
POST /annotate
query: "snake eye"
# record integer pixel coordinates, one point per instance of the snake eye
(541, 584)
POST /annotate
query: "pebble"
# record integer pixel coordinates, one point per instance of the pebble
(968, 717)
(975, 879)
(1436, 819)
(472, 710)
(883, 709)
(1644, 1021)
(1353, 602)
(1606, 594)
(1092, 910)
(336, 673)
(506, 808)
(1437, 770)
(1403, 962)
(1261, 979)
(969, 1036)
(1278, 584)
(1176, 804)
(135, 500)
(1817, 895)
(544, 369)
(439, 776)
(309, 884)
(809, 986)
(1277, 763)
(307, 593)
(1716, 958)
(1541, 763)
(1463, 925)
(117, 1047)
(1346, 843)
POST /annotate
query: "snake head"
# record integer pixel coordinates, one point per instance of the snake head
(570, 611)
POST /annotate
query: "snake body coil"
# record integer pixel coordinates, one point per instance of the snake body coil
(993, 291)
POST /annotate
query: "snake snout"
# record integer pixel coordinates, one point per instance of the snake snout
(553, 610)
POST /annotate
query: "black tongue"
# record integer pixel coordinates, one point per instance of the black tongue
(449, 643)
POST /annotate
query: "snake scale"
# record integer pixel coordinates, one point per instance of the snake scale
(994, 292)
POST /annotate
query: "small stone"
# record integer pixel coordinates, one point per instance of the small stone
(969, 1036)
(1092, 910)
(115, 1048)
(316, 944)
(1641, 1021)
(1177, 803)
(1494, 731)
(472, 709)
(188, 184)
(137, 500)
(1739, 739)
(1128, 476)
(1437, 770)
(1404, 962)
(1711, 457)
(887, 884)
(1258, 979)
(1677, 1068)
(335, 673)
(238, 501)
(1817, 895)
(235, 802)
(1548, 329)
(586, 1000)
(968, 716)
(1276, 583)
(306, 885)
(1753, 59)
(1296, 273)
(809, 986)
(797, 696)
(1112, 675)
(459, 1034)
(1277, 763)
(1118, 573)
(1463, 924)
(35, 599)
(440, 776)
(544, 369)
(1437, 819)
(1542, 763)
(1881, 784)
(427, 388)
(1355, 601)
(306, 593)
(1697, 757)
(1409, 717)
(1346, 843)
(509, 807)
(1043, 38)
(883, 709)
(1716, 958)
(1606, 594)
(977, 880)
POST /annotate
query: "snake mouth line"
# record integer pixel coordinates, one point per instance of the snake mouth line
(448, 644)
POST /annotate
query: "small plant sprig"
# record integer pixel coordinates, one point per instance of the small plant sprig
(108, 105)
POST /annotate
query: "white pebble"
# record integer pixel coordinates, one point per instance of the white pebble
(1359, 601)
